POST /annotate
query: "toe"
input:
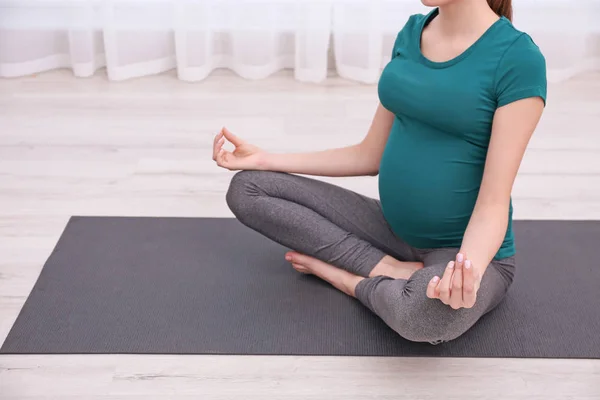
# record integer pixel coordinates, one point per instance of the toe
(290, 256)
(301, 268)
(298, 258)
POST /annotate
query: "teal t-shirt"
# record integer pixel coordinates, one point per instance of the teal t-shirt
(433, 162)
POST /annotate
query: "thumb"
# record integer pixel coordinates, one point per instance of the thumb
(232, 138)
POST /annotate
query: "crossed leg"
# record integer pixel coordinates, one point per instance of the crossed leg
(343, 238)
(330, 223)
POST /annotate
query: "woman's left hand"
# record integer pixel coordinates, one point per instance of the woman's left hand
(459, 285)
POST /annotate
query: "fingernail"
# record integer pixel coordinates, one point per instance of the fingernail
(451, 265)
(289, 258)
(467, 264)
(459, 257)
(436, 279)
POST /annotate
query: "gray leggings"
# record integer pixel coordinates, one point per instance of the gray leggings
(348, 230)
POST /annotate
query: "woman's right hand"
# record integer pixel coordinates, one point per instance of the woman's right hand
(245, 156)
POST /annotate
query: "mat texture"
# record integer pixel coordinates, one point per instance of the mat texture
(212, 286)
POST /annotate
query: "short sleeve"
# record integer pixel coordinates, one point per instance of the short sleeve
(404, 36)
(396, 45)
(521, 72)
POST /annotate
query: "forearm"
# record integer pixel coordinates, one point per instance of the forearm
(485, 234)
(346, 161)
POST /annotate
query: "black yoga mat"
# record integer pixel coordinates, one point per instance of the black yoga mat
(212, 286)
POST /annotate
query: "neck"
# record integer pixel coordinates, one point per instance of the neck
(465, 16)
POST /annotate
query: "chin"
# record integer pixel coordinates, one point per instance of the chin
(436, 3)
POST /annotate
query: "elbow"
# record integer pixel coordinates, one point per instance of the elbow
(374, 165)
(371, 168)
(368, 159)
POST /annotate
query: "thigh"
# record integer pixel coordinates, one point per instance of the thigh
(352, 212)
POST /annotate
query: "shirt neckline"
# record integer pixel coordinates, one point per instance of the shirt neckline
(443, 64)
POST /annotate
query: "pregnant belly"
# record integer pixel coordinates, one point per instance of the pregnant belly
(428, 196)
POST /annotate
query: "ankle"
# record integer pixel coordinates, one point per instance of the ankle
(395, 269)
(385, 267)
(349, 283)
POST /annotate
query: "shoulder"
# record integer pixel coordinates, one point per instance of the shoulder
(411, 27)
(408, 33)
(518, 47)
(418, 19)
(521, 68)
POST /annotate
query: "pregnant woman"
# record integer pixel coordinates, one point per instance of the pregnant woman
(459, 102)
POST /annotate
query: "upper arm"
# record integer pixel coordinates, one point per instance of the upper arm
(521, 97)
(513, 127)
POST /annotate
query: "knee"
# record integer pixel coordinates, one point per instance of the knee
(427, 320)
(422, 329)
(419, 325)
(237, 193)
(243, 189)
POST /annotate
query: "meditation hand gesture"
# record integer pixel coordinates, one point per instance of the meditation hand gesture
(244, 157)
(459, 285)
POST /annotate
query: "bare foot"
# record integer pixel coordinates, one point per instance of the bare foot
(393, 268)
(342, 280)
(302, 263)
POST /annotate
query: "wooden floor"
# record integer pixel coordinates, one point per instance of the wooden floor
(143, 147)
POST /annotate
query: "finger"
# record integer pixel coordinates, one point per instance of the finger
(223, 158)
(469, 285)
(431, 293)
(218, 136)
(215, 140)
(460, 259)
(444, 285)
(232, 138)
(218, 146)
(456, 295)
(219, 158)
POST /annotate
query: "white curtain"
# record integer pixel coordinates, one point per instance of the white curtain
(255, 38)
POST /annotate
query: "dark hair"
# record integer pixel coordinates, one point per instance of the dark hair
(502, 8)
